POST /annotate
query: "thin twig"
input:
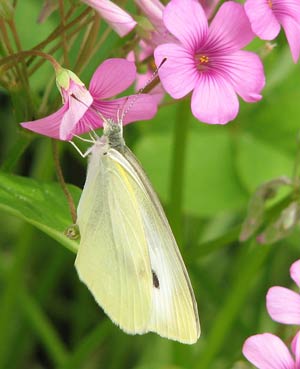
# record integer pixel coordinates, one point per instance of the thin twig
(58, 45)
(62, 182)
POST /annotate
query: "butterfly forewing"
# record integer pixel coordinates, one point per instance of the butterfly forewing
(174, 310)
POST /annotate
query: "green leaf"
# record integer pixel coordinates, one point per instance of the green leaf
(210, 184)
(258, 162)
(275, 119)
(40, 204)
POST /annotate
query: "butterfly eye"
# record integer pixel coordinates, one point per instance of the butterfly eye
(155, 279)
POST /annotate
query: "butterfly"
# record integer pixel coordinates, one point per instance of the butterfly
(128, 257)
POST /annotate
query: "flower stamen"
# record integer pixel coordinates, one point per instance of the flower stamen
(202, 61)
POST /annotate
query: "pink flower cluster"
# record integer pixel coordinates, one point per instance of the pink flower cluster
(267, 351)
(203, 57)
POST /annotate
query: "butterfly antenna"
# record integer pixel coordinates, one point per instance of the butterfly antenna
(140, 91)
(93, 134)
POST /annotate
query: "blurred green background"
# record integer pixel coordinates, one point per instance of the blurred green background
(205, 176)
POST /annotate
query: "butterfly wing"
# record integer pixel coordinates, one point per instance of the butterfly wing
(174, 312)
(113, 258)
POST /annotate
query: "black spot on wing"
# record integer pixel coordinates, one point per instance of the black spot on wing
(155, 279)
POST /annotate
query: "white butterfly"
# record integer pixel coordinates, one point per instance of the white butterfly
(127, 256)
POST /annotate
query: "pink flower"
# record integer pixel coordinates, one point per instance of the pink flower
(266, 17)
(78, 115)
(76, 100)
(283, 304)
(153, 9)
(208, 60)
(117, 18)
(267, 351)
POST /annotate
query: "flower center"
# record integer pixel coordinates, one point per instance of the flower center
(203, 59)
(202, 62)
(270, 3)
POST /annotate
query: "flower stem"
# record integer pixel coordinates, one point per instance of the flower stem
(9, 60)
(43, 328)
(64, 39)
(249, 263)
(88, 45)
(177, 168)
(58, 31)
(62, 182)
(70, 37)
(10, 289)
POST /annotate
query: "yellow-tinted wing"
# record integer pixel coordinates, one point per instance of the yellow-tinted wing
(113, 258)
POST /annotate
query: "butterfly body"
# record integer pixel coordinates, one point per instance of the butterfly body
(128, 256)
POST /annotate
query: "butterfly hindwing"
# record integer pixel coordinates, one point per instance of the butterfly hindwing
(113, 257)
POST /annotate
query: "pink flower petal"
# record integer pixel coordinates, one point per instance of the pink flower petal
(48, 126)
(296, 348)
(230, 35)
(112, 77)
(186, 20)
(74, 113)
(292, 32)
(286, 8)
(117, 18)
(245, 71)
(295, 272)
(141, 107)
(262, 18)
(90, 120)
(153, 9)
(214, 100)
(209, 6)
(267, 351)
(178, 74)
(283, 305)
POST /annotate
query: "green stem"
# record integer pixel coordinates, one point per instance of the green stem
(88, 45)
(87, 346)
(69, 37)
(9, 61)
(7, 45)
(64, 39)
(62, 182)
(208, 247)
(24, 71)
(57, 32)
(178, 168)
(296, 168)
(249, 263)
(43, 328)
(11, 289)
